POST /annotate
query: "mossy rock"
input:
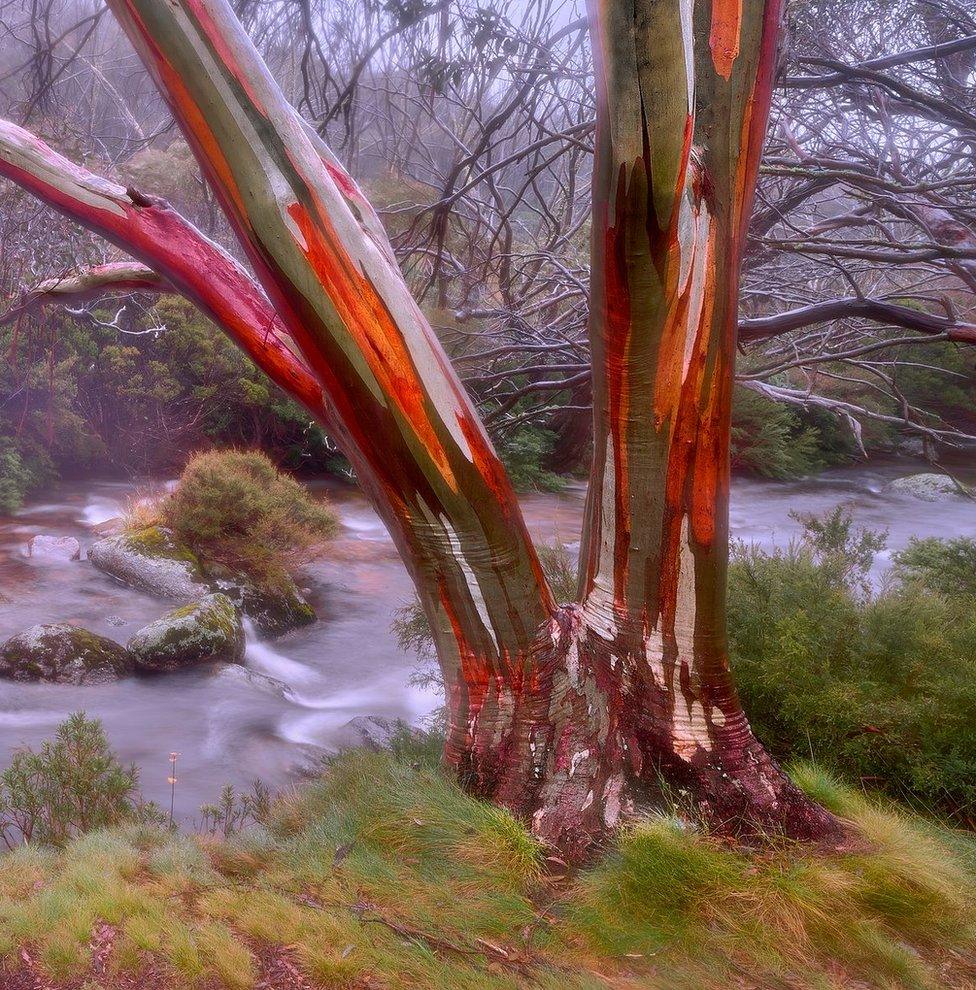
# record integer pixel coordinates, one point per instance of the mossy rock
(151, 559)
(273, 611)
(207, 631)
(63, 654)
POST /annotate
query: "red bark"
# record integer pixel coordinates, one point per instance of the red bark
(567, 715)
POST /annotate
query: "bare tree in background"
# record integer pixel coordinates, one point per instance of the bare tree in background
(472, 130)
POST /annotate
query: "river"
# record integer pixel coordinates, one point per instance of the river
(229, 729)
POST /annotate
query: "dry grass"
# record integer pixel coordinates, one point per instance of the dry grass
(382, 874)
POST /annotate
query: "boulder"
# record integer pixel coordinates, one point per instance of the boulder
(56, 547)
(928, 487)
(63, 654)
(234, 674)
(152, 560)
(374, 732)
(273, 611)
(207, 631)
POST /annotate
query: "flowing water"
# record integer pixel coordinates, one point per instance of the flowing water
(231, 728)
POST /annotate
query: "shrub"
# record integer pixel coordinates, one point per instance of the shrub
(778, 441)
(234, 507)
(87, 405)
(15, 478)
(877, 686)
(525, 454)
(232, 811)
(944, 566)
(23, 469)
(72, 785)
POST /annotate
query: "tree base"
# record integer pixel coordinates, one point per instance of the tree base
(594, 734)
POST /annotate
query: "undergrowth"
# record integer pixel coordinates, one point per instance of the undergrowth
(876, 682)
(383, 874)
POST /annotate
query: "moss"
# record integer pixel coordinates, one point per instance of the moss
(62, 653)
(206, 631)
(273, 611)
(156, 542)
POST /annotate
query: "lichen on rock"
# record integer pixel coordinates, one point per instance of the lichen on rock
(63, 654)
(207, 631)
(930, 487)
(152, 560)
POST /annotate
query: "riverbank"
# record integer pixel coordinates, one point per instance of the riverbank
(382, 875)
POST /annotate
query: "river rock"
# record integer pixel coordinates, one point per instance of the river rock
(207, 631)
(374, 732)
(152, 560)
(930, 487)
(63, 654)
(235, 674)
(56, 547)
(273, 611)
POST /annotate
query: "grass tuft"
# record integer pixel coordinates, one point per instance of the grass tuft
(383, 873)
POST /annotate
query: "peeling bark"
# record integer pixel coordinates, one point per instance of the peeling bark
(683, 98)
(566, 715)
(75, 287)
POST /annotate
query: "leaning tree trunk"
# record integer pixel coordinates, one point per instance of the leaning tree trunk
(562, 713)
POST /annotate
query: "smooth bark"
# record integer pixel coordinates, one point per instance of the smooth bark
(563, 713)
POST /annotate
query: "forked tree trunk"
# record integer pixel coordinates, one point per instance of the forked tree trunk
(562, 713)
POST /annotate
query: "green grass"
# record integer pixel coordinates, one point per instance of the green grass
(431, 888)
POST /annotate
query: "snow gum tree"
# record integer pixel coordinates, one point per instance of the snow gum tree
(564, 712)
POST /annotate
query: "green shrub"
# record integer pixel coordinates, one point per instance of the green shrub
(778, 441)
(15, 478)
(70, 786)
(525, 454)
(87, 405)
(234, 507)
(877, 686)
(947, 567)
(232, 811)
(23, 469)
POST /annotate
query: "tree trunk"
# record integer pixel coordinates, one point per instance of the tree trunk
(682, 111)
(565, 714)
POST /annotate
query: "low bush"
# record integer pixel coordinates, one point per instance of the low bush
(235, 508)
(778, 441)
(947, 567)
(877, 685)
(24, 468)
(72, 785)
